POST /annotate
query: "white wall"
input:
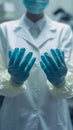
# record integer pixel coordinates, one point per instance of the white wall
(19, 7)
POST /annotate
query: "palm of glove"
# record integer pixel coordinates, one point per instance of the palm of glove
(17, 74)
(54, 66)
(20, 65)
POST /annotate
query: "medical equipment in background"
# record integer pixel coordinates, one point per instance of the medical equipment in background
(64, 16)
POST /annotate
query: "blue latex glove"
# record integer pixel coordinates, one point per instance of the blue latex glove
(54, 66)
(20, 65)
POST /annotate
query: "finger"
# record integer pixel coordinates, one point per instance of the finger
(51, 61)
(16, 50)
(44, 68)
(19, 57)
(47, 63)
(55, 57)
(29, 66)
(61, 56)
(26, 60)
(60, 53)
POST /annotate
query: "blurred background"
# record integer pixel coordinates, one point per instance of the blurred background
(59, 10)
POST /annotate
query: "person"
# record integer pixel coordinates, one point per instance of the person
(36, 74)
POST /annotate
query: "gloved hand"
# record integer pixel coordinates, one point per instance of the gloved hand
(54, 66)
(20, 65)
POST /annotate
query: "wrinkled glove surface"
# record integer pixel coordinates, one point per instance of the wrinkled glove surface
(54, 66)
(20, 65)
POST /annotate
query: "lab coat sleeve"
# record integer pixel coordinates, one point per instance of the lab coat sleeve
(7, 88)
(65, 90)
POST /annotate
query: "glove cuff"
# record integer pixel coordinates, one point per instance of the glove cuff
(15, 82)
(60, 83)
(64, 91)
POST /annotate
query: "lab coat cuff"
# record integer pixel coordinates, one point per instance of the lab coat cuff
(9, 89)
(64, 90)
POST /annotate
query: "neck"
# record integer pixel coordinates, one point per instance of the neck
(34, 17)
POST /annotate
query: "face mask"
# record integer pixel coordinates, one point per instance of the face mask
(35, 6)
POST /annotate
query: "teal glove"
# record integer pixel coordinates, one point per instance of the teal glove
(54, 66)
(20, 65)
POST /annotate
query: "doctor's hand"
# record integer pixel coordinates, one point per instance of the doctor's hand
(20, 65)
(54, 66)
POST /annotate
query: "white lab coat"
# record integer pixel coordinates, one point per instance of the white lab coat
(37, 104)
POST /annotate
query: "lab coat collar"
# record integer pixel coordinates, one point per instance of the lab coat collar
(49, 33)
(29, 24)
(21, 23)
